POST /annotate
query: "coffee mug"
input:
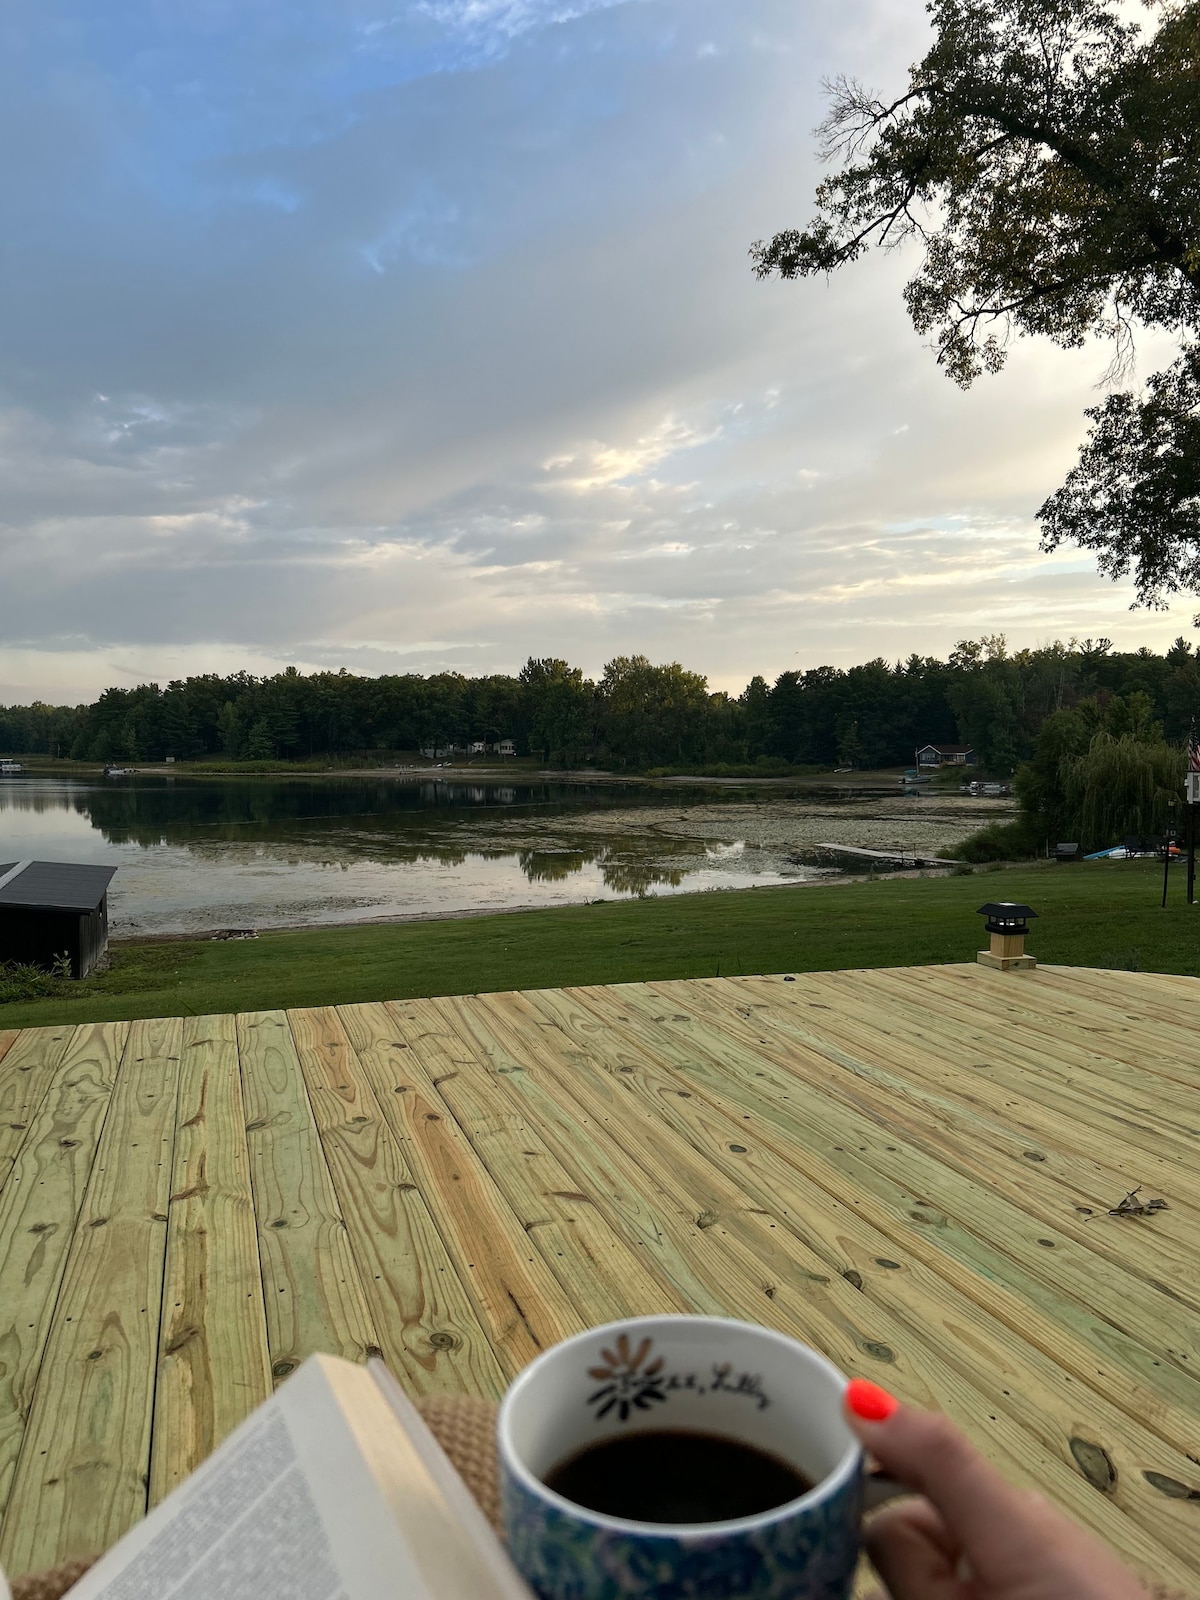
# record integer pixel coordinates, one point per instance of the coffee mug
(700, 1375)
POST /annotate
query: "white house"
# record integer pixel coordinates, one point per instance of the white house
(506, 747)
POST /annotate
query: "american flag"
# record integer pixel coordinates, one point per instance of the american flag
(1193, 752)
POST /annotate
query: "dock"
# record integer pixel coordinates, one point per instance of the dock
(902, 855)
(915, 1170)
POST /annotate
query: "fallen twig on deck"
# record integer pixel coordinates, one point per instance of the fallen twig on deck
(1131, 1206)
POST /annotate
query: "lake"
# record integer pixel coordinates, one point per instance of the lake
(206, 854)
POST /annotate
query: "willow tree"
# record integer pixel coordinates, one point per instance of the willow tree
(1045, 161)
(1120, 786)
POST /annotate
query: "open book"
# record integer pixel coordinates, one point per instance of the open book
(334, 1489)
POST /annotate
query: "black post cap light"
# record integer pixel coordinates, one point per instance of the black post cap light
(1007, 923)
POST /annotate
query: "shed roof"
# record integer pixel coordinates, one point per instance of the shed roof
(54, 886)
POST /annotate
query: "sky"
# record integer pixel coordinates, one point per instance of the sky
(421, 336)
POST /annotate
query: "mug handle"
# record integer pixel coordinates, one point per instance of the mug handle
(879, 1488)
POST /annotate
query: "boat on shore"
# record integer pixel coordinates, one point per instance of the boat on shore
(993, 791)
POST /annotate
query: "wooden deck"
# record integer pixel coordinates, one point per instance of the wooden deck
(912, 1169)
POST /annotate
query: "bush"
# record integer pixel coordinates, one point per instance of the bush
(999, 841)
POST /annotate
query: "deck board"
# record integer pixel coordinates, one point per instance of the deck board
(961, 1225)
(516, 1298)
(427, 1331)
(38, 1210)
(312, 1292)
(81, 1474)
(598, 1271)
(911, 1168)
(996, 1127)
(1139, 1107)
(997, 1373)
(213, 1361)
(25, 1073)
(1068, 1261)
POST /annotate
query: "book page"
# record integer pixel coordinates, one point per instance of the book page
(454, 1544)
(286, 1509)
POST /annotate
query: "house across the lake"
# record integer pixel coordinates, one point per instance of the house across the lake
(945, 755)
(51, 910)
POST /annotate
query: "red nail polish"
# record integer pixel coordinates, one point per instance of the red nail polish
(870, 1402)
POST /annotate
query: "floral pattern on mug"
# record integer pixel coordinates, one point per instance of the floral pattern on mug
(810, 1554)
(626, 1384)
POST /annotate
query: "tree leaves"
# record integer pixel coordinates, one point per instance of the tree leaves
(1046, 157)
(1134, 496)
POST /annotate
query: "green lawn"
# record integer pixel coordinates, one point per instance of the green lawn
(1095, 914)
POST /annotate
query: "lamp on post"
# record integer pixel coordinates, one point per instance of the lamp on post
(1007, 924)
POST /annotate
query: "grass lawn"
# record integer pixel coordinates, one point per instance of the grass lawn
(1103, 914)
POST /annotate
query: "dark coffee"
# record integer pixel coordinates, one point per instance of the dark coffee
(673, 1475)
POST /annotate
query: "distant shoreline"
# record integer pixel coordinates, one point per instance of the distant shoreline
(882, 781)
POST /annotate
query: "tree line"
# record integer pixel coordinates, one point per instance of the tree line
(636, 716)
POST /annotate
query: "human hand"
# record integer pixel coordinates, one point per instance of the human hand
(970, 1535)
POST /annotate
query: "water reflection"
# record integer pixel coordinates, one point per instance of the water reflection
(150, 811)
(622, 870)
(203, 854)
(552, 866)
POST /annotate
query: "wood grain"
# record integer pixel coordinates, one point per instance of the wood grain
(213, 1365)
(1013, 1376)
(1067, 1266)
(81, 1475)
(1138, 1106)
(516, 1298)
(39, 1207)
(991, 1124)
(960, 1229)
(427, 1327)
(25, 1073)
(606, 1277)
(311, 1289)
(907, 1168)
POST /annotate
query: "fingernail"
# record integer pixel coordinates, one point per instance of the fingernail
(870, 1402)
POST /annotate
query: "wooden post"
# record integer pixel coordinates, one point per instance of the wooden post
(1006, 953)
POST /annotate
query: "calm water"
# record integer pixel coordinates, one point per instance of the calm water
(200, 854)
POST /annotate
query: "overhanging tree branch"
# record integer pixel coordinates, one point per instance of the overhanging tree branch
(1045, 155)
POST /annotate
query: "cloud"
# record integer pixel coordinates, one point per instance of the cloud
(423, 336)
(508, 17)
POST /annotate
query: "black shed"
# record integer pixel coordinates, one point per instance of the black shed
(52, 908)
